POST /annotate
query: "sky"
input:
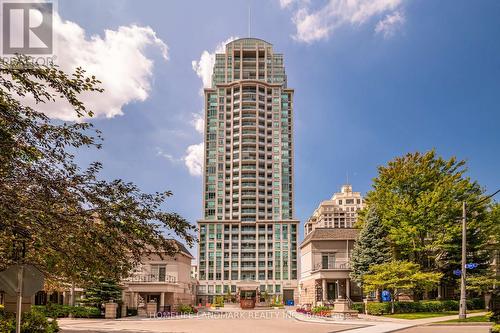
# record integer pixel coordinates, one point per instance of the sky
(373, 80)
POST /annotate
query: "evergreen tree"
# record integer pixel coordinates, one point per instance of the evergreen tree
(371, 247)
(102, 292)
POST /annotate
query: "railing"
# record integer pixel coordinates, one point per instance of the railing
(339, 265)
(149, 278)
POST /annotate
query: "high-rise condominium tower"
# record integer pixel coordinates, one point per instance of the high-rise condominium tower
(248, 236)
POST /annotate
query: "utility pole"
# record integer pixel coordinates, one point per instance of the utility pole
(19, 300)
(463, 301)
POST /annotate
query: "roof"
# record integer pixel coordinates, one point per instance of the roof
(325, 234)
(182, 248)
(249, 38)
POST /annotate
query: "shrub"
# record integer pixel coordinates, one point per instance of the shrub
(358, 306)
(320, 308)
(475, 304)
(378, 309)
(185, 309)
(219, 301)
(431, 306)
(423, 306)
(450, 305)
(495, 328)
(63, 311)
(32, 322)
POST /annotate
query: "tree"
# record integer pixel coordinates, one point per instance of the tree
(482, 283)
(419, 200)
(101, 292)
(399, 275)
(73, 225)
(371, 247)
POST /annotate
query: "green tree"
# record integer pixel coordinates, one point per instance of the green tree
(101, 292)
(66, 220)
(395, 276)
(371, 247)
(419, 200)
(482, 283)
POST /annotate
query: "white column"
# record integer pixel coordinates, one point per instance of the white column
(162, 300)
(348, 288)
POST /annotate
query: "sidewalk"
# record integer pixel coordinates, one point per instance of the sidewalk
(379, 324)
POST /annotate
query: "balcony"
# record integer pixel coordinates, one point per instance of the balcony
(340, 265)
(151, 278)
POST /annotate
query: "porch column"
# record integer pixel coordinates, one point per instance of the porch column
(162, 300)
(325, 291)
(134, 299)
(348, 288)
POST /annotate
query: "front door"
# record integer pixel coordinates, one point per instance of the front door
(331, 291)
(288, 296)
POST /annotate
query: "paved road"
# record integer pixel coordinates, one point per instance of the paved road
(263, 322)
(260, 321)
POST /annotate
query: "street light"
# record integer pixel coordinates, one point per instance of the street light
(462, 314)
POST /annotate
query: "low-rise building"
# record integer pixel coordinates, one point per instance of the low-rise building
(326, 249)
(325, 266)
(162, 279)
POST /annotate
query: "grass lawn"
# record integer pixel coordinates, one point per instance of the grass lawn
(422, 315)
(476, 319)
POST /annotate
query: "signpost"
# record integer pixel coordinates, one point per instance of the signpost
(21, 281)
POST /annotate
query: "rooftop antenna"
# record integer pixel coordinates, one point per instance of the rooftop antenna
(249, 19)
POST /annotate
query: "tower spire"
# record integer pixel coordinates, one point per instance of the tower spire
(249, 17)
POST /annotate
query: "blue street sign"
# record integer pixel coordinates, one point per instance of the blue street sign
(458, 272)
(386, 296)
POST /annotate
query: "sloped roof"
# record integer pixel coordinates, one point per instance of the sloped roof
(182, 248)
(324, 234)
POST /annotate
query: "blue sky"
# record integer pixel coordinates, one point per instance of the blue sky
(370, 85)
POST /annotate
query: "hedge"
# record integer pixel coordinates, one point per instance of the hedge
(62, 311)
(358, 306)
(377, 309)
(420, 306)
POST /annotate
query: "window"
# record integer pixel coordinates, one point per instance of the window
(328, 260)
(159, 272)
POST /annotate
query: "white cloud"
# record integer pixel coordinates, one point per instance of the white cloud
(117, 59)
(169, 157)
(198, 122)
(194, 159)
(314, 25)
(204, 66)
(285, 3)
(390, 24)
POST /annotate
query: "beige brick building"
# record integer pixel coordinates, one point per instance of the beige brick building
(325, 266)
(326, 250)
(165, 281)
(338, 212)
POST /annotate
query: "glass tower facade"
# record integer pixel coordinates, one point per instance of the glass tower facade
(248, 236)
